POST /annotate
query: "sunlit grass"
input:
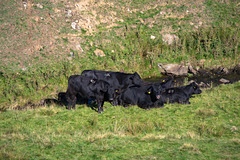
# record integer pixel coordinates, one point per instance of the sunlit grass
(211, 120)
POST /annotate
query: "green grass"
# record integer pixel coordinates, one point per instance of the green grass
(207, 128)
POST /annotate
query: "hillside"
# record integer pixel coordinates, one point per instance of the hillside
(49, 30)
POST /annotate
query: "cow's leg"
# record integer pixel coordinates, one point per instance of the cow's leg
(124, 105)
(74, 102)
(99, 105)
(115, 101)
(160, 104)
(187, 101)
(184, 101)
(71, 101)
(144, 105)
(69, 105)
(102, 106)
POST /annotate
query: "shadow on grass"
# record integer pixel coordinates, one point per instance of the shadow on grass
(61, 101)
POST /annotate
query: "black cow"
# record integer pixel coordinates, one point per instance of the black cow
(115, 78)
(118, 80)
(168, 82)
(88, 88)
(144, 97)
(164, 83)
(191, 89)
(179, 94)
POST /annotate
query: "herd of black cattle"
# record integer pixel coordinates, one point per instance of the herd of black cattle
(126, 89)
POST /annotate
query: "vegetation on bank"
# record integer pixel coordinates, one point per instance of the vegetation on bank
(31, 71)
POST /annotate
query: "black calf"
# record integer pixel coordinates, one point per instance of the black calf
(179, 94)
(141, 96)
(191, 89)
(163, 84)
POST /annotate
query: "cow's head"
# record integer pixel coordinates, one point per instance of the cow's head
(109, 92)
(196, 89)
(154, 92)
(168, 82)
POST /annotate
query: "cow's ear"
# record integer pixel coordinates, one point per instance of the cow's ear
(195, 87)
(149, 90)
(136, 75)
(193, 84)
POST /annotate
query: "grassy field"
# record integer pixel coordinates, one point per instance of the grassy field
(40, 48)
(208, 128)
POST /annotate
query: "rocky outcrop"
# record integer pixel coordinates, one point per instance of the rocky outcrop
(183, 70)
(173, 69)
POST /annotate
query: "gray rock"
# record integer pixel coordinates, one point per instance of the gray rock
(204, 85)
(174, 69)
(39, 6)
(69, 13)
(222, 80)
(225, 70)
(191, 69)
(220, 70)
(73, 25)
(236, 69)
(25, 5)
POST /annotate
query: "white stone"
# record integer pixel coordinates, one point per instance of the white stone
(129, 10)
(39, 6)
(74, 25)
(25, 5)
(153, 37)
(69, 13)
(79, 47)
